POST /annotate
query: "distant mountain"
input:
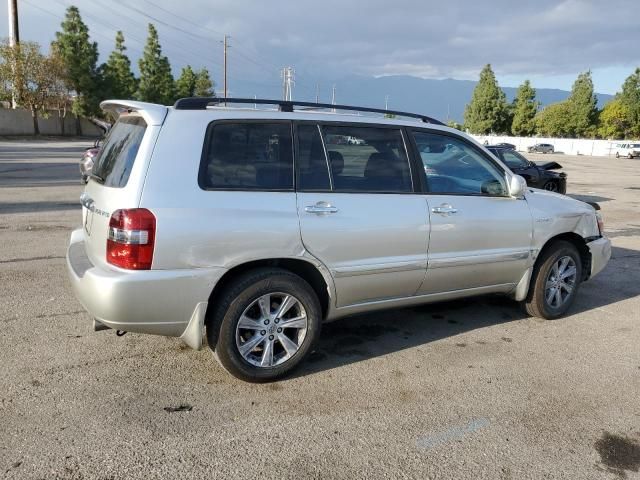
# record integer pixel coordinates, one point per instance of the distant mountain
(441, 99)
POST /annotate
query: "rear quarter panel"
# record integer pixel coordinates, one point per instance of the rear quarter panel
(198, 228)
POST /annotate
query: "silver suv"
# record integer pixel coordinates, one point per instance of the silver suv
(258, 225)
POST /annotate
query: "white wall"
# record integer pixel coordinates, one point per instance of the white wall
(19, 122)
(570, 146)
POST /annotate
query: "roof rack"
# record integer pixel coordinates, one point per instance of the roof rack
(201, 103)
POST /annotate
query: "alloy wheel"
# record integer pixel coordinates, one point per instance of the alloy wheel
(561, 282)
(271, 329)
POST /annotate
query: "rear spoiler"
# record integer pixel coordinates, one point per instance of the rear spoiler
(152, 113)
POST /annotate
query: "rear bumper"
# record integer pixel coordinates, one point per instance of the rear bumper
(600, 254)
(160, 302)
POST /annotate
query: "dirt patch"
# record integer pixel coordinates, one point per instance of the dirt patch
(619, 453)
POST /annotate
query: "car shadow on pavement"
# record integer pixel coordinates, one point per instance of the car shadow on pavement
(358, 338)
(619, 281)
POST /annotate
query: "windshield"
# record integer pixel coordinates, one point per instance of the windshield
(118, 152)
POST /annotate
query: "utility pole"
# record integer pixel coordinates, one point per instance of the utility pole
(333, 97)
(287, 83)
(14, 36)
(225, 44)
(317, 93)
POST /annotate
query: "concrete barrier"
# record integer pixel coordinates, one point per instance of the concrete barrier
(19, 122)
(570, 146)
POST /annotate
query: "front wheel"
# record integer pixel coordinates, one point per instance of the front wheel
(617, 155)
(551, 186)
(555, 281)
(265, 325)
(630, 156)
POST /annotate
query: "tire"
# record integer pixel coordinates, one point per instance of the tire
(617, 155)
(630, 157)
(245, 298)
(537, 303)
(551, 186)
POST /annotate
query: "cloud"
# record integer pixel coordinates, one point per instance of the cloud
(437, 39)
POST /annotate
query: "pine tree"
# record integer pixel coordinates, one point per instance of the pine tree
(630, 98)
(488, 110)
(582, 104)
(156, 82)
(118, 76)
(204, 84)
(186, 83)
(525, 108)
(79, 56)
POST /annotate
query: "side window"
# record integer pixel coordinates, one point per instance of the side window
(514, 159)
(455, 167)
(248, 156)
(313, 172)
(367, 159)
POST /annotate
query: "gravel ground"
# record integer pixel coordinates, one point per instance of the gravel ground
(468, 389)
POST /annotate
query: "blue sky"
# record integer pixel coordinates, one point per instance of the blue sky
(546, 41)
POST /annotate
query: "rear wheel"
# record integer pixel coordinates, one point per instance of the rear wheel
(630, 156)
(551, 186)
(266, 323)
(555, 281)
(617, 155)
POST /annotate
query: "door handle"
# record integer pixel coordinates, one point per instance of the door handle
(444, 209)
(321, 208)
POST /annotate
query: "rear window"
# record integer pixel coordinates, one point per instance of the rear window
(247, 156)
(118, 152)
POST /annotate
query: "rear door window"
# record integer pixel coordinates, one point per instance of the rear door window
(367, 159)
(313, 172)
(247, 156)
(118, 153)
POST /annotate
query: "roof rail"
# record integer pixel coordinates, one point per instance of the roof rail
(200, 103)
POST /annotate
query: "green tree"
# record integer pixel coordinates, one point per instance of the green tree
(186, 83)
(79, 56)
(630, 98)
(488, 110)
(454, 124)
(615, 120)
(525, 108)
(553, 120)
(156, 82)
(119, 79)
(30, 75)
(204, 84)
(583, 109)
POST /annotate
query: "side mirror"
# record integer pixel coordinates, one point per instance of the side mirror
(517, 186)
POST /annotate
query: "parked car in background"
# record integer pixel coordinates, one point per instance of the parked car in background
(88, 159)
(537, 175)
(628, 150)
(541, 148)
(505, 145)
(250, 226)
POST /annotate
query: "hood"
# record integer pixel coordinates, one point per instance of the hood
(548, 165)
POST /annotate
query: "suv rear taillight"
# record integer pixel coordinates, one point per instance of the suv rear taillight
(131, 238)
